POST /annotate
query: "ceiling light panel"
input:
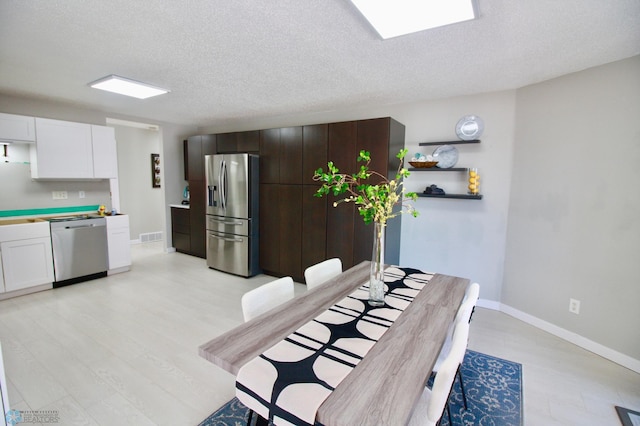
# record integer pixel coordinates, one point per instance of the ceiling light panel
(392, 18)
(128, 87)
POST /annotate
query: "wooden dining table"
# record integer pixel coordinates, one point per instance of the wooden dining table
(385, 385)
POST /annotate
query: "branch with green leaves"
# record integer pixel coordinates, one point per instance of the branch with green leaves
(372, 192)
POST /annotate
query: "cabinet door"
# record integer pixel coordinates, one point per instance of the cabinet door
(270, 156)
(105, 154)
(197, 218)
(195, 158)
(249, 141)
(340, 219)
(270, 228)
(17, 128)
(2, 290)
(63, 150)
(314, 151)
(314, 227)
(291, 230)
(291, 155)
(27, 263)
(180, 229)
(227, 143)
(118, 241)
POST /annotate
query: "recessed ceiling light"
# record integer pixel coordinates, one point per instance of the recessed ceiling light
(399, 17)
(128, 87)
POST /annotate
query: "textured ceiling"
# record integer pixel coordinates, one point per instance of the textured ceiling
(224, 60)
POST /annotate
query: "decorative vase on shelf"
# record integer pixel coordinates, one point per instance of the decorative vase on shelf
(376, 277)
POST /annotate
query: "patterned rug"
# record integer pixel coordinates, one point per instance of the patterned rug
(493, 387)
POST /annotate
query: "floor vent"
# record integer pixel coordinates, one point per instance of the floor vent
(150, 237)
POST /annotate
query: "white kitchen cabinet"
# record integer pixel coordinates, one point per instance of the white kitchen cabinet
(119, 243)
(17, 128)
(2, 290)
(27, 263)
(63, 150)
(27, 260)
(105, 155)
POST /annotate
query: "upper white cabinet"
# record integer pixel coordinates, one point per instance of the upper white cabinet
(105, 155)
(17, 128)
(63, 150)
(67, 150)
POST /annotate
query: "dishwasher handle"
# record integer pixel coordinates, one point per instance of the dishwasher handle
(80, 226)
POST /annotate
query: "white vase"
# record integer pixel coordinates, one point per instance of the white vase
(376, 276)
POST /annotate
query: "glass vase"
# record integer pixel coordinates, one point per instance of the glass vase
(376, 276)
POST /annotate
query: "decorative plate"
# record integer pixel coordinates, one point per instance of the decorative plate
(446, 156)
(469, 127)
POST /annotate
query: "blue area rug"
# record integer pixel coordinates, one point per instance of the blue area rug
(493, 387)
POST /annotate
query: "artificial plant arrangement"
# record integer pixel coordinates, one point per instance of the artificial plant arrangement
(376, 198)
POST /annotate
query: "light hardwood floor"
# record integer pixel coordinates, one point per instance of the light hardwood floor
(123, 350)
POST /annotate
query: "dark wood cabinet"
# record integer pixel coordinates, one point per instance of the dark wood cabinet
(315, 141)
(314, 226)
(290, 232)
(309, 229)
(249, 141)
(226, 143)
(234, 142)
(269, 227)
(181, 229)
(270, 156)
(291, 155)
(196, 148)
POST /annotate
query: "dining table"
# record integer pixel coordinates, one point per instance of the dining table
(385, 384)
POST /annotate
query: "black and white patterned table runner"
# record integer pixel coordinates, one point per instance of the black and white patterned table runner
(288, 382)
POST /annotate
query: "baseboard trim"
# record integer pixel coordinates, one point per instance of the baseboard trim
(598, 349)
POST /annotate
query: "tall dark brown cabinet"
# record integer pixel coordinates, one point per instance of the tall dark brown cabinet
(298, 229)
(196, 147)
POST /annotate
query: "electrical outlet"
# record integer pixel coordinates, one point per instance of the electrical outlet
(574, 306)
(80, 194)
(59, 195)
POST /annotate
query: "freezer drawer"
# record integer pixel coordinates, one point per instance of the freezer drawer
(228, 225)
(228, 253)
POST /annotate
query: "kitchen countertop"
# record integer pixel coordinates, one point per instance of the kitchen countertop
(179, 206)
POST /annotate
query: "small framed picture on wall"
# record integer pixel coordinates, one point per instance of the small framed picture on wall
(155, 170)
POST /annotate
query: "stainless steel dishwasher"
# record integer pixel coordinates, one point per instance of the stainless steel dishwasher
(79, 248)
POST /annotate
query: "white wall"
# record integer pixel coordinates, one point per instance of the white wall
(138, 199)
(574, 218)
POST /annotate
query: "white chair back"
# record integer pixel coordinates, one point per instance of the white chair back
(432, 402)
(322, 272)
(267, 296)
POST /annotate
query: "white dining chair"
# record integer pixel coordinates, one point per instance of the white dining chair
(265, 297)
(463, 316)
(433, 402)
(322, 272)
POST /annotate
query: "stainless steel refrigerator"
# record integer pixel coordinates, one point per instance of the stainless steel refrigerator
(232, 213)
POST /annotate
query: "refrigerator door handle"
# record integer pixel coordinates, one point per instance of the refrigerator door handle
(224, 222)
(233, 240)
(223, 183)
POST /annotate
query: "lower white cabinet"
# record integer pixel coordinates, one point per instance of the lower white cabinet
(2, 290)
(119, 243)
(26, 263)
